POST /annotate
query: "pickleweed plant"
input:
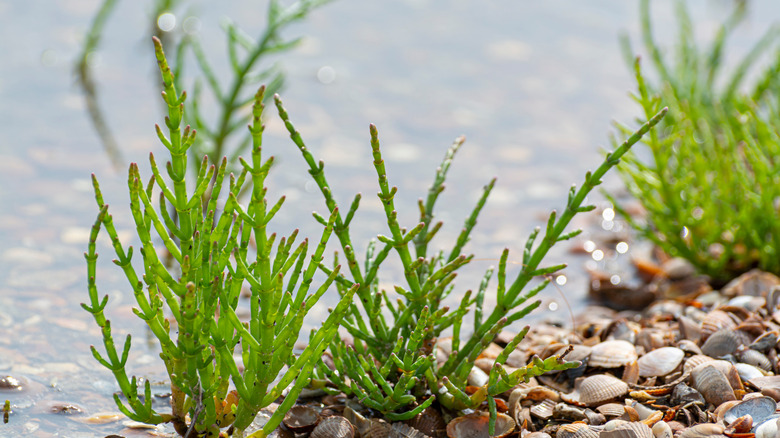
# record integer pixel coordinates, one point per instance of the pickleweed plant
(390, 364)
(192, 307)
(709, 179)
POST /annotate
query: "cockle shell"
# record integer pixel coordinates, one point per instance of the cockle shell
(576, 430)
(333, 427)
(612, 354)
(475, 425)
(755, 358)
(724, 342)
(596, 389)
(430, 422)
(628, 430)
(716, 320)
(660, 362)
(703, 431)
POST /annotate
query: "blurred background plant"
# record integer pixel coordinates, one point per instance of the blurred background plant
(248, 58)
(217, 251)
(709, 178)
(390, 364)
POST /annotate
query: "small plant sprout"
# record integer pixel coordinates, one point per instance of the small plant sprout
(191, 308)
(391, 366)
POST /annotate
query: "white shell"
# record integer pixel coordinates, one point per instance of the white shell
(660, 362)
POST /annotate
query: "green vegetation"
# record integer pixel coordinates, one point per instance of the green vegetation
(218, 246)
(711, 185)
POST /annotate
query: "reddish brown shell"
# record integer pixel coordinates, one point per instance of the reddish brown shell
(301, 419)
(475, 425)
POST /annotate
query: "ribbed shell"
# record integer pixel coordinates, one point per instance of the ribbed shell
(702, 431)
(576, 430)
(694, 361)
(755, 358)
(429, 422)
(333, 427)
(611, 409)
(724, 342)
(714, 321)
(628, 430)
(712, 384)
(543, 410)
(660, 362)
(597, 389)
(612, 354)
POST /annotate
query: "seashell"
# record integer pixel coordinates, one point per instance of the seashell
(660, 362)
(771, 392)
(684, 394)
(651, 338)
(611, 409)
(712, 384)
(475, 425)
(543, 410)
(568, 412)
(773, 299)
(688, 346)
(716, 320)
(768, 428)
(537, 435)
(728, 370)
(640, 411)
(724, 342)
(596, 389)
(765, 382)
(747, 371)
(655, 417)
(301, 419)
(594, 418)
(720, 410)
(401, 430)
(702, 431)
(477, 377)
(631, 373)
(576, 430)
(755, 283)
(429, 422)
(628, 430)
(689, 329)
(612, 354)
(664, 309)
(621, 329)
(742, 424)
(758, 408)
(281, 433)
(755, 358)
(333, 427)
(694, 361)
(766, 341)
(662, 430)
(747, 302)
(578, 352)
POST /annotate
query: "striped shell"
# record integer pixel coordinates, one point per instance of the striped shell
(714, 321)
(755, 358)
(543, 410)
(597, 389)
(628, 430)
(660, 362)
(430, 422)
(576, 430)
(712, 384)
(612, 354)
(333, 427)
(702, 431)
(724, 342)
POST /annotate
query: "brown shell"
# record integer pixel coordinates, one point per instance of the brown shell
(475, 425)
(702, 431)
(611, 409)
(597, 389)
(612, 354)
(694, 361)
(765, 382)
(301, 419)
(724, 342)
(628, 430)
(660, 362)
(333, 427)
(712, 384)
(429, 422)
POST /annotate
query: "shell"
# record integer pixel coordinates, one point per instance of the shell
(429, 422)
(765, 342)
(695, 361)
(475, 425)
(765, 382)
(703, 430)
(301, 419)
(683, 394)
(712, 384)
(714, 321)
(597, 389)
(660, 362)
(543, 410)
(612, 354)
(747, 372)
(333, 427)
(576, 430)
(758, 408)
(724, 342)
(755, 358)
(767, 429)
(628, 430)
(742, 424)
(611, 409)
(754, 283)
(662, 430)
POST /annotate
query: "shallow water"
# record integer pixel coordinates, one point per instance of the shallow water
(533, 86)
